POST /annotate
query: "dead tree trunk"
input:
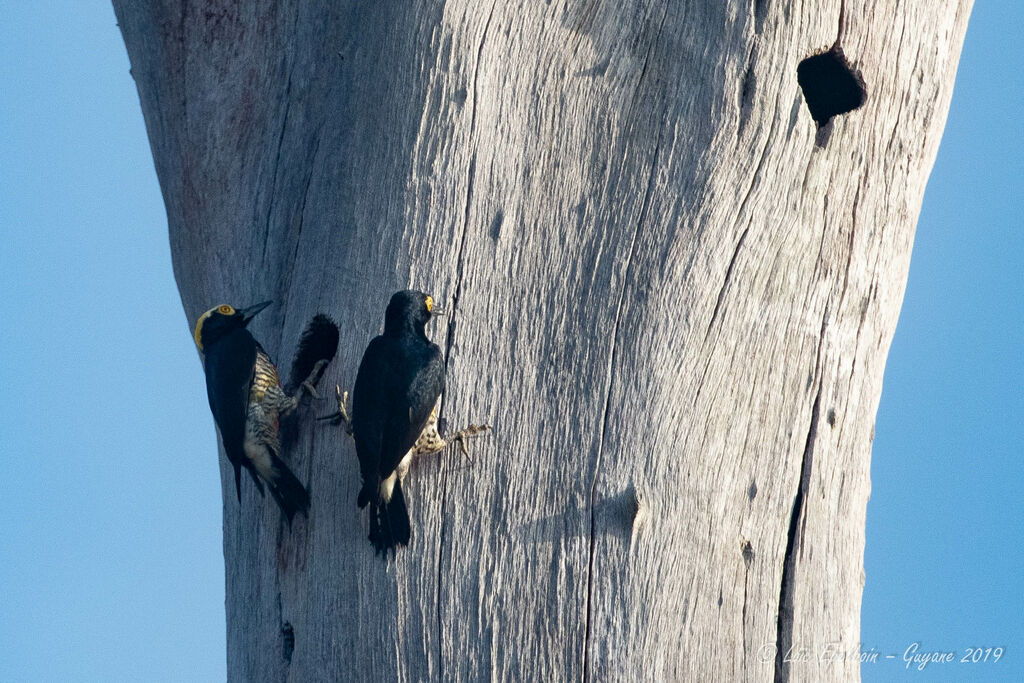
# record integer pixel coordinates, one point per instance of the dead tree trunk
(672, 291)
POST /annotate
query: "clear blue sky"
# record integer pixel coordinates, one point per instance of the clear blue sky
(111, 565)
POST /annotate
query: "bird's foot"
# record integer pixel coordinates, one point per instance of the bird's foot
(308, 387)
(463, 435)
(309, 384)
(341, 417)
(288, 404)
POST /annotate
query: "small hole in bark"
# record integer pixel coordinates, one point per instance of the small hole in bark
(499, 218)
(760, 10)
(830, 417)
(752, 491)
(747, 87)
(581, 211)
(831, 86)
(289, 641)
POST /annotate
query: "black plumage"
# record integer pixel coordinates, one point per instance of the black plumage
(246, 400)
(400, 379)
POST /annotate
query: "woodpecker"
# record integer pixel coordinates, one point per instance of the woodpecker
(246, 400)
(399, 381)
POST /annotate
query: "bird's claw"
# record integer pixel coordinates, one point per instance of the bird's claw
(310, 389)
(308, 385)
(341, 416)
(463, 435)
(314, 377)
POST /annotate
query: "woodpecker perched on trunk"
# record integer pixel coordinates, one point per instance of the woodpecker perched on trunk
(247, 400)
(400, 379)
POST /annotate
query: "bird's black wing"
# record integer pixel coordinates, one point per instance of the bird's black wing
(229, 373)
(375, 383)
(423, 382)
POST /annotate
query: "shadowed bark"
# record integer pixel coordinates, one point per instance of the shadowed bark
(672, 294)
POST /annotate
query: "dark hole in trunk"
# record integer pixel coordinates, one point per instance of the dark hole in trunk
(831, 87)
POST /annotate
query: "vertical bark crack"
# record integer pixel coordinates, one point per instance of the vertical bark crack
(450, 337)
(277, 165)
(644, 207)
(743, 236)
(286, 288)
(794, 538)
(725, 281)
(471, 173)
(747, 549)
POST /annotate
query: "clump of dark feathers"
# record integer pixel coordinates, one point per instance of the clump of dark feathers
(318, 342)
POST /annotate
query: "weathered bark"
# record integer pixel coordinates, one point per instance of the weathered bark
(671, 303)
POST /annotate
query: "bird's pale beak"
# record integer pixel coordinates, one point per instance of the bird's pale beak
(250, 313)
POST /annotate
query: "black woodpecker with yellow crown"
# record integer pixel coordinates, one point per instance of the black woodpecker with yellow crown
(400, 379)
(247, 401)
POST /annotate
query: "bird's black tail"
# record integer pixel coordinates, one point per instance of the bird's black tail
(389, 520)
(236, 463)
(287, 490)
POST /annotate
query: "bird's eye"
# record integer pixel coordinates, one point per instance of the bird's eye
(430, 304)
(225, 310)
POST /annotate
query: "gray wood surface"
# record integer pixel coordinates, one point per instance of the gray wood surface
(672, 304)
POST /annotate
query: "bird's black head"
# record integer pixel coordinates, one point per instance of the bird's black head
(218, 322)
(409, 310)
